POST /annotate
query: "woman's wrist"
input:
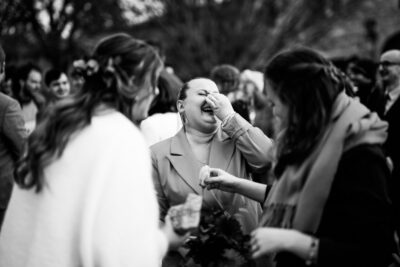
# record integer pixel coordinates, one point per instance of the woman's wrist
(237, 184)
(302, 245)
(291, 240)
(227, 117)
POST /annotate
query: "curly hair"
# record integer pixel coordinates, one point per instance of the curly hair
(126, 66)
(308, 85)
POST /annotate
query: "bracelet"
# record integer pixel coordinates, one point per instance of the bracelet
(312, 253)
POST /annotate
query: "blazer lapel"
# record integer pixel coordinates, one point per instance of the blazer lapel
(222, 150)
(182, 159)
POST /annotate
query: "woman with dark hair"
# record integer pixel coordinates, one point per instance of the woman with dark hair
(84, 195)
(329, 204)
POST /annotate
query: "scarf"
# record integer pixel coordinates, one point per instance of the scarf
(298, 197)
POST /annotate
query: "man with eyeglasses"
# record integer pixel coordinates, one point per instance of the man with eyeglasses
(12, 138)
(389, 71)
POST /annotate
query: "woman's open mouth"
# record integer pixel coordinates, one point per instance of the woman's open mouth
(207, 109)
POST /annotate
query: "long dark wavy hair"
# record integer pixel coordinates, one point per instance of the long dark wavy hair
(124, 66)
(308, 84)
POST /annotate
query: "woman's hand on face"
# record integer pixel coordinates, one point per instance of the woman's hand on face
(267, 240)
(220, 104)
(213, 178)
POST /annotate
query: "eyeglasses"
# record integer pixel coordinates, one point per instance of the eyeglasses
(386, 64)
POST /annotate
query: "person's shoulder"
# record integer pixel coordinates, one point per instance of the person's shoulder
(365, 152)
(162, 147)
(152, 121)
(7, 99)
(8, 104)
(115, 125)
(160, 119)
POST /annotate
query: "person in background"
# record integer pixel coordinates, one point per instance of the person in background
(78, 69)
(12, 140)
(389, 71)
(84, 194)
(253, 92)
(227, 78)
(329, 205)
(57, 84)
(362, 73)
(163, 121)
(29, 94)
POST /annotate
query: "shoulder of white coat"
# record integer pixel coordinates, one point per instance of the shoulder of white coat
(116, 127)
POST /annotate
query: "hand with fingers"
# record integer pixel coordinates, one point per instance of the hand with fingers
(214, 178)
(266, 240)
(220, 104)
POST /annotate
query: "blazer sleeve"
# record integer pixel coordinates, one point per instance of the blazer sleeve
(161, 198)
(357, 220)
(14, 128)
(251, 141)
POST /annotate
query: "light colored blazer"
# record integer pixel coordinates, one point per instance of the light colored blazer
(237, 147)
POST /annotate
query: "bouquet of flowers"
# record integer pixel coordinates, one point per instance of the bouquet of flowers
(219, 241)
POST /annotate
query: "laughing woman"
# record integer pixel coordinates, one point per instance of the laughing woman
(233, 145)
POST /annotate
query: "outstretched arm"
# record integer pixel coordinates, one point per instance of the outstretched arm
(213, 178)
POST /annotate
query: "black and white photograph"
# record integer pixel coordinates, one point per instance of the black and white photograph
(199, 133)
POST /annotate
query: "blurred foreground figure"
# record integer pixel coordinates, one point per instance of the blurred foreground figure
(84, 194)
(329, 205)
(12, 140)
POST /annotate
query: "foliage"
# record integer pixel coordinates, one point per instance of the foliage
(57, 28)
(196, 34)
(241, 33)
(218, 242)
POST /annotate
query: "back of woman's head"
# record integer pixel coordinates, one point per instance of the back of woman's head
(308, 85)
(122, 72)
(125, 66)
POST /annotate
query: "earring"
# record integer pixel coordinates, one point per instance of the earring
(183, 117)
